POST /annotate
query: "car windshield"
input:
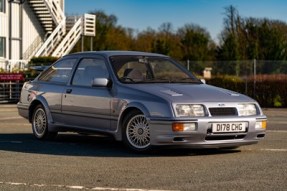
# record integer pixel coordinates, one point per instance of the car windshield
(142, 69)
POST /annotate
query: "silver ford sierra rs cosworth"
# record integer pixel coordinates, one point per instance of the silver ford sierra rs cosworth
(142, 99)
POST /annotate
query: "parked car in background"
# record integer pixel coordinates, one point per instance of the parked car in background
(142, 99)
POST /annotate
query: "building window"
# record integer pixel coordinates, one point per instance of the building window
(2, 6)
(2, 47)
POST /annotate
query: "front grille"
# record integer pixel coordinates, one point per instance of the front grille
(223, 111)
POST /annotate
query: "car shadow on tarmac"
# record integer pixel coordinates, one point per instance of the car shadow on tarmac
(72, 144)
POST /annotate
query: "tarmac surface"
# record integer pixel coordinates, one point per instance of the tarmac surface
(76, 162)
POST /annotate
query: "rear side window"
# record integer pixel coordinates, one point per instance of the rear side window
(59, 72)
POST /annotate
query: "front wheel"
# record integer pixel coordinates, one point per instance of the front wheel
(40, 124)
(136, 132)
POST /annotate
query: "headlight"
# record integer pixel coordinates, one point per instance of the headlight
(188, 110)
(247, 109)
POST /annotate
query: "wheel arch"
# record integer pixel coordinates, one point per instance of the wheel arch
(131, 107)
(42, 102)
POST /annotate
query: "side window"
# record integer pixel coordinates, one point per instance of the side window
(59, 72)
(89, 69)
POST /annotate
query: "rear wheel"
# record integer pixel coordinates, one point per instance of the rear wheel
(40, 124)
(136, 132)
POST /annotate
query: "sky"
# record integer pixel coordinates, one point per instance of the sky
(209, 14)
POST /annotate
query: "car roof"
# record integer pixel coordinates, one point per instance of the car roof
(116, 53)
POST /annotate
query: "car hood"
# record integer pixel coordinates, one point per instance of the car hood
(192, 93)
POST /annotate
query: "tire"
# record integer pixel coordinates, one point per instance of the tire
(40, 124)
(136, 132)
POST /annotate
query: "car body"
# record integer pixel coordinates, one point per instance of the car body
(142, 99)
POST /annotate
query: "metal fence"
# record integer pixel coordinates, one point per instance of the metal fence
(249, 76)
(249, 72)
(239, 68)
(10, 91)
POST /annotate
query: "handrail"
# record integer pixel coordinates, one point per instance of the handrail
(70, 39)
(36, 44)
(59, 43)
(56, 11)
(52, 41)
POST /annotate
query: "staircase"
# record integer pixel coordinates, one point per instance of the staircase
(75, 28)
(58, 41)
(42, 12)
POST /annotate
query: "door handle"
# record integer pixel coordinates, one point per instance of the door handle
(68, 91)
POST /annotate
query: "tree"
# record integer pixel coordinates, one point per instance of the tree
(195, 43)
(144, 40)
(252, 38)
(229, 46)
(118, 38)
(104, 24)
(166, 41)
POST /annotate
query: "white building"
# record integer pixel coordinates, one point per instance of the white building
(38, 28)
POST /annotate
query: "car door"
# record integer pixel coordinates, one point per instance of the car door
(52, 83)
(86, 106)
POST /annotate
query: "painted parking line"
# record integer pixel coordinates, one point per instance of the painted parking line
(267, 150)
(274, 150)
(277, 131)
(10, 118)
(78, 187)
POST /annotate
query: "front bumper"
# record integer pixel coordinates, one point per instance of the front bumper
(162, 133)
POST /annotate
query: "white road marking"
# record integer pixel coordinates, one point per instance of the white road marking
(277, 131)
(79, 187)
(39, 185)
(8, 118)
(268, 150)
(76, 187)
(16, 183)
(274, 150)
(126, 189)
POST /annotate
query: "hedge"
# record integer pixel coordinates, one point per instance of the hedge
(268, 90)
(42, 61)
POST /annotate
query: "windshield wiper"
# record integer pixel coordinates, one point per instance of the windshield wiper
(180, 80)
(125, 79)
(158, 80)
(188, 80)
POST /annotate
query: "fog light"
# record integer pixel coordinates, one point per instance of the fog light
(184, 127)
(261, 124)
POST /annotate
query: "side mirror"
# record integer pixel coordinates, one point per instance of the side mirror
(100, 82)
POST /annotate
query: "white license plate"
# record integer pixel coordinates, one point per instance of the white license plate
(228, 127)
